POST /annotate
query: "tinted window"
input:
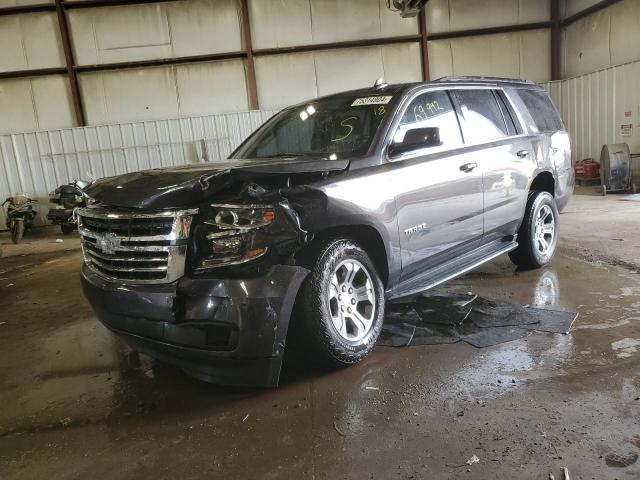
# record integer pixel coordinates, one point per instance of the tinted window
(432, 109)
(540, 106)
(481, 118)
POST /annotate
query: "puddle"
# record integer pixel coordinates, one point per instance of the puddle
(626, 347)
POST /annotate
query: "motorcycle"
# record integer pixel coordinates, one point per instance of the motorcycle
(67, 198)
(20, 215)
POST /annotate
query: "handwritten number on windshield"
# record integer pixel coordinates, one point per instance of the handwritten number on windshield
(344, 123)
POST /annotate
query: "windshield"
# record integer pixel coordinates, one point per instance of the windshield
(331, 128)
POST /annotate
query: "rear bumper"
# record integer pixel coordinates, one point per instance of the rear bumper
(224, 331)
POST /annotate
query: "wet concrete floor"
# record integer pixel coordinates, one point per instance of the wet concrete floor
(74, 403)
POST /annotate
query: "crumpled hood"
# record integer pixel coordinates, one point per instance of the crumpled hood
(188, 185)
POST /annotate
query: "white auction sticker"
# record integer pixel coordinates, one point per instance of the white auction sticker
(372, 101)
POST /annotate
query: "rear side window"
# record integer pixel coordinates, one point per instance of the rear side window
(480, 116)
(544, 114)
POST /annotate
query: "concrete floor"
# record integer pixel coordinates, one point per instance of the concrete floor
(76, 404)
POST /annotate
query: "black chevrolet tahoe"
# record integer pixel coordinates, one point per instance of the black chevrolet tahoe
(330, 209)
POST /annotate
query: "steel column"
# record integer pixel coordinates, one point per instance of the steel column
(555, 39)
(68, 57)
(252, 87)
(424, 49)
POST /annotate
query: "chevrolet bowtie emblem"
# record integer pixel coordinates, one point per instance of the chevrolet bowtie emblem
(108, 243)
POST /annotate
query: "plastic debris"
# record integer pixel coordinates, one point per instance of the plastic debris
(245, 418)
(473, 459)
(59, 240)
(565, 472)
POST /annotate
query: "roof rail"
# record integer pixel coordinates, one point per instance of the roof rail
(464, 78)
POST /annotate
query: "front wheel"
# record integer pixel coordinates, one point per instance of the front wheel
(538, 235)
(340, 308)
(17, 230)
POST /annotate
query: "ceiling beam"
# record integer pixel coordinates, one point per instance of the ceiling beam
(160, 62)
(38, 7)
(489, 31)
(588, 11)
(33, 73)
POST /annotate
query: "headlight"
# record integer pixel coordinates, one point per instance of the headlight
(233, 235)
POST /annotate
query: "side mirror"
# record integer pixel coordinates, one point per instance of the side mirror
(415, 139)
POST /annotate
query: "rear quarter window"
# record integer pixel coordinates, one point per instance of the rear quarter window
(542, 111)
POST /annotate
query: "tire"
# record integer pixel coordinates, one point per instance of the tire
(538, 234)
(323, 331)
(67, 228)
(17, 230)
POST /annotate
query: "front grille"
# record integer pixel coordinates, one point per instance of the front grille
(135, 246)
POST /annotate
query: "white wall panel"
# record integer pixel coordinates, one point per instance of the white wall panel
(585, 45)
(285, 23)
(280, 23)
(163, 92)
(35, 103)
(292, 78)
(38, 162)
(30, 41)
(517, 55)
(603, 39)
(152, 31)
(455, 15)
(594, 106)
(285, 79)
(129, 95)
(206, 88)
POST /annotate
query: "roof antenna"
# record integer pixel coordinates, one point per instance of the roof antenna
(380, 84)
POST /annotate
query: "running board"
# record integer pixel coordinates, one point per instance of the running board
(451, 269)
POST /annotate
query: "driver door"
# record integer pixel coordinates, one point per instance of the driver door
(439, 198)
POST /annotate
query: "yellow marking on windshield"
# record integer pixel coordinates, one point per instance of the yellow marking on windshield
(346, 125)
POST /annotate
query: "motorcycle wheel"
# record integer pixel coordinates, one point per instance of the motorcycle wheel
(67, 228)
(17, 230)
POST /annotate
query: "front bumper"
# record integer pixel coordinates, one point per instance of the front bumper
(225, 331)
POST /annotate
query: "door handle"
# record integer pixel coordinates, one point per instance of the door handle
(468, 167)
(522, 153)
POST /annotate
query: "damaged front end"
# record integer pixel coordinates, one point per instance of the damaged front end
(225, 319)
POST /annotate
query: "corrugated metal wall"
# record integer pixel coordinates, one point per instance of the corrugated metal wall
(595, 107)
(39, 162)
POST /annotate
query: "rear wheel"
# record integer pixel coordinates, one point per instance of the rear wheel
(340, 307)
(17, 230)
(538, 235)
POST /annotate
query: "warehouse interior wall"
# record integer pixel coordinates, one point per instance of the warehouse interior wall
(292, 60)
(604, 39)
(514, 54)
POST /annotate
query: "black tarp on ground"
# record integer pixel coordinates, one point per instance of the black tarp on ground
(437, 318)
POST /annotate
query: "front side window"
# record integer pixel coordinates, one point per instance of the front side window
(431, 110)
(480, 116)
(332, 128)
